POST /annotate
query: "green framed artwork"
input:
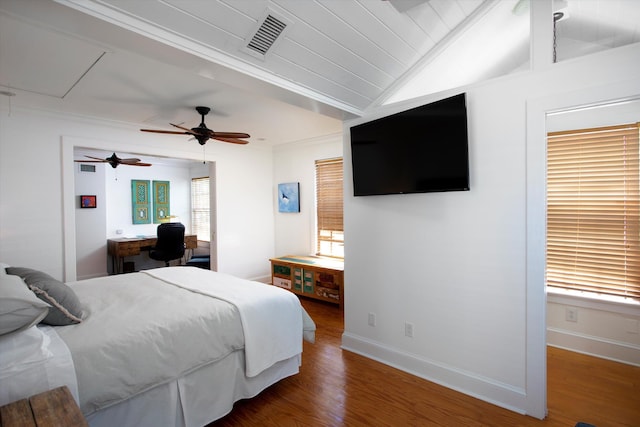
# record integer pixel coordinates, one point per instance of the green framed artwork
(161, 201)
(140, 201)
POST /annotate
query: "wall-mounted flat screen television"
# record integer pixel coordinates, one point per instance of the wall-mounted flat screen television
(421, 150)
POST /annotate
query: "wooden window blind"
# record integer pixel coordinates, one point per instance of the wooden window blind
(593, 221)
(200, 208)
(330, 228)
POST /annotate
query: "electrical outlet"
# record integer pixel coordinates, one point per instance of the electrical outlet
(571, 314)
(631, 326)
(408, 329)
(372, 319)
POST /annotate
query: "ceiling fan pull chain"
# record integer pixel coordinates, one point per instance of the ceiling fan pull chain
(556, 17)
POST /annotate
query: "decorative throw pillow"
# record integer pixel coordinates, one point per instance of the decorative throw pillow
(65, 305)
(19, 307)
(3, 268)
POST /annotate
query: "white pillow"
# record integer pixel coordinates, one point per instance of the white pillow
(24, 347)
(25, 358)
(20, 308)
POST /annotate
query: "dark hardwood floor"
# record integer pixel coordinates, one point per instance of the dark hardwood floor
(339, 388)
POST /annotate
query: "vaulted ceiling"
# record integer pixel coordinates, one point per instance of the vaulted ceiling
(281, 70)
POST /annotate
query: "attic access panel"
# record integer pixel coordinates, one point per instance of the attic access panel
(64, 59)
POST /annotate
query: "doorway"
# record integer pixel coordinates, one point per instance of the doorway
(85, 253)
(537, 111)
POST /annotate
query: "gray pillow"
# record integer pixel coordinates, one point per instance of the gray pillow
(65, 305)
(19, 307)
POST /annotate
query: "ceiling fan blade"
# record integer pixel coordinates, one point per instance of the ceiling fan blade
(96, 158)
(181, 127)
(214, 134)
(165, 131)
(192, 131)
(231, 140)
(129, 161)
(91, 161)
(137, 164)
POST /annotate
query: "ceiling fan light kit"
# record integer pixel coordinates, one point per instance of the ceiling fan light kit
(202, 133)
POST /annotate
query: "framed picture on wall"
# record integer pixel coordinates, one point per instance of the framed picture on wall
(87, 201)
(161, 201)
(140, 201)
(289, 197)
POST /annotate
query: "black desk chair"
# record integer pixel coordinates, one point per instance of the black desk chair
(170, 243)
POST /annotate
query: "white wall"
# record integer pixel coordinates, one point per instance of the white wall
(90, 243)
(467, 268)
(295, 232)
(118, 182)
(37, 195)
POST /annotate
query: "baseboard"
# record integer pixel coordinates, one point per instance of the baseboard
(92, 276)
(262, 279)
(594, 346)
(486, 389)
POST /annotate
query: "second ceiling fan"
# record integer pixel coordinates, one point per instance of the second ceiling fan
(114, 161)
(202, 133)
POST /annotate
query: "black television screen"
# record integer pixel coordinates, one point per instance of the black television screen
(424, 149)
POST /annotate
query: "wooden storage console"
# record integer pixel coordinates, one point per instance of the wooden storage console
(311, 276)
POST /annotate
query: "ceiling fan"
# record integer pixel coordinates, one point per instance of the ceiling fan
(114, 161)
(202, 133)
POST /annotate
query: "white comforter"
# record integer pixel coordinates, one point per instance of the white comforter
(271, 317)
(141, 331)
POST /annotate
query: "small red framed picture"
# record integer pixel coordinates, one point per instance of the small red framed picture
(87, 201)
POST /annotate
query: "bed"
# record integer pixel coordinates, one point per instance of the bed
(168, 346)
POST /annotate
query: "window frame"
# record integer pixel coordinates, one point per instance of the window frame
(196, 224)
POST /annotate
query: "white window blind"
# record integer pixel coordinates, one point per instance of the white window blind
(200, 208)
(330, 231)
(593, 220)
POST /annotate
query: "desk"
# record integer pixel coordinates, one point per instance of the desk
(131, 246)
(310, 276)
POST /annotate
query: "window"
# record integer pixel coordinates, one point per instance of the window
(200, 208)
(593, 219)
(330, 229)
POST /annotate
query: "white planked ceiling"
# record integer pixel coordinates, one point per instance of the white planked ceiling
(151, 62)
(344, 53)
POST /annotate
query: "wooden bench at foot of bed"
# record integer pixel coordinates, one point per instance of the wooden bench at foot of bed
(52, 408)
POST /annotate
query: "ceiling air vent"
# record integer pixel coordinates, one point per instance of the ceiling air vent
(265, 36)
(87, 168)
